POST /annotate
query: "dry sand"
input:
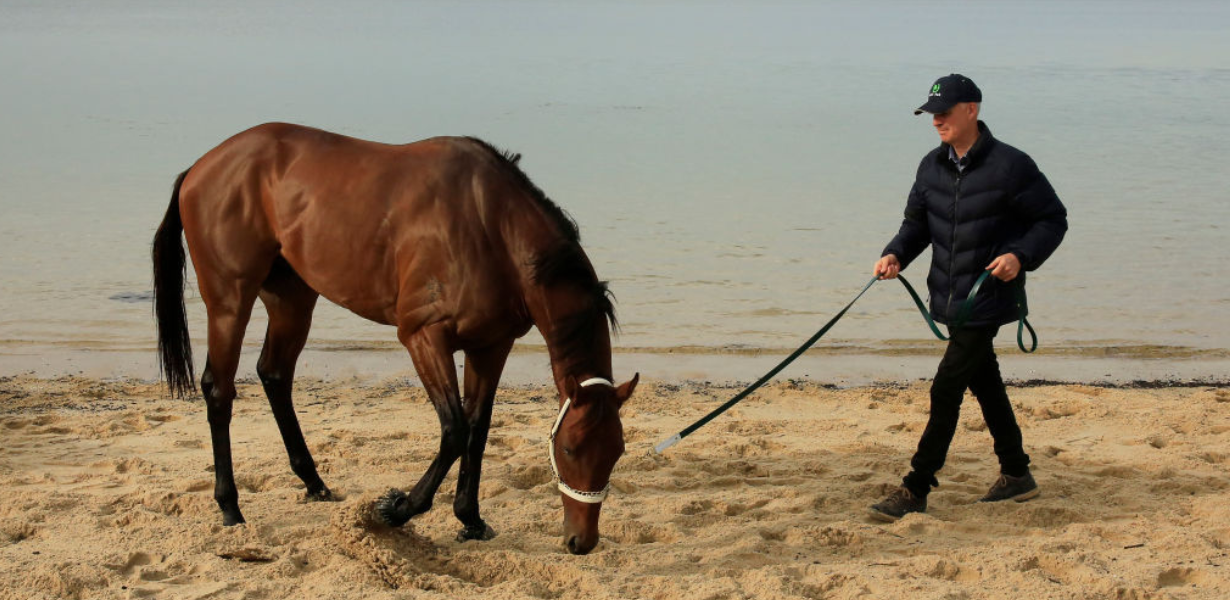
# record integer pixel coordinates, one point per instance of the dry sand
(107, 493)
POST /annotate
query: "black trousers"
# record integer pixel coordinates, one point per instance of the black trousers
(969, 363)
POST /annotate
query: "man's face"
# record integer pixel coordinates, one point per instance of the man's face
(959, 123)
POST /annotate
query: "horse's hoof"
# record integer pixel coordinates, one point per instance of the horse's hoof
(393, 508)
(481, 533)
(230, 519)
(321, 495)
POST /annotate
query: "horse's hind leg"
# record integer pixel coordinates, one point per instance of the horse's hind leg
(482, 376)
(433, 359)
(229, 307)
(289, 302)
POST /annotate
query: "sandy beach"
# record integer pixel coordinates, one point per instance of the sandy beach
(108, 494)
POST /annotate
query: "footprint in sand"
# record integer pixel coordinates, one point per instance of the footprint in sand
(163, 417)
(1052, 451)
(696, 507)
(250, 483)
(752, 448)
(1158, 441)
(1052, 568)
(511, 443)
(1048, 516)
(624, 486)
(1057, 409)
(148, 568)
(514, 419)
(13, 531)
(146, 506)
(737, 509)
(948, 570)
(1181, 576)
(131, 564)
(527, 477)
(633, 435)
(776, 534)
(200, 485)
(127, 466)
(1218, 538)
(642, 463)
(738, 469)
(1119, 472)
(826, 536)
(66, 580)
(636, 532)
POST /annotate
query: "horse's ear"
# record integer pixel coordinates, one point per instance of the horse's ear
(623, 392)
(571, 389)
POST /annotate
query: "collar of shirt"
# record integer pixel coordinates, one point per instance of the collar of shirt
(961, 162)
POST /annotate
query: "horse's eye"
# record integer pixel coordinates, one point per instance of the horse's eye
(567, 451)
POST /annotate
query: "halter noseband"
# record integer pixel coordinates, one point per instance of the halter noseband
(575, 494)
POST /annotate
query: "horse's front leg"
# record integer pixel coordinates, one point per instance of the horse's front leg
(482, 376)
(433, 359)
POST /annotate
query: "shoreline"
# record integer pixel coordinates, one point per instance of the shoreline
(719, 390)
(530, 366)
(833, 347)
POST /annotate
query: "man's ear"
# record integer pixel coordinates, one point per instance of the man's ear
(623, 392)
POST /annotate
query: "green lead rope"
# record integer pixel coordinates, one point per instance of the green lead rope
(963, 315)
(967, 308)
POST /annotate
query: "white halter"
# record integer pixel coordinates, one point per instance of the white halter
(578, 495)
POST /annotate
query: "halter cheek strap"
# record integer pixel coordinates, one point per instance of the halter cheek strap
(575, 494)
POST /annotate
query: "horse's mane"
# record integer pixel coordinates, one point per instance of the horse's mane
(564, 263)
(567, 226)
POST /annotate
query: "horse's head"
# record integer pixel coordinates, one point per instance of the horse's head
(587, 440)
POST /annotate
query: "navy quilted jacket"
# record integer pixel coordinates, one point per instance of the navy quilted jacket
(1001, 203)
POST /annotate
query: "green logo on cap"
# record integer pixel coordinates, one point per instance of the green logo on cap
(935, 89)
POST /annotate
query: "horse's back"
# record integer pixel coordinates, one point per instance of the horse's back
(359, 221)
(282, 164)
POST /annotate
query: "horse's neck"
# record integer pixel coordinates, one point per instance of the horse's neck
(530, 234)
(557, 309)
(550, 308)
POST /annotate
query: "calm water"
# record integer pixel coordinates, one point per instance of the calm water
(735, 167)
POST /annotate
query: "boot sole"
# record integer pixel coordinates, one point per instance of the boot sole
(1022, 497)
(1031, 494)
(882, 517)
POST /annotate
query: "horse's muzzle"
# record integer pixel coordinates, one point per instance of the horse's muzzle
(580, 547)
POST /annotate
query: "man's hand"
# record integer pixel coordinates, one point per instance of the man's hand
(887, 267)
(1006, 267)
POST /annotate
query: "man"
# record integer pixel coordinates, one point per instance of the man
(981, 205)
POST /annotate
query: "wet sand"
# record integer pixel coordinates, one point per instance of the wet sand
(108, 494)
(837, 362)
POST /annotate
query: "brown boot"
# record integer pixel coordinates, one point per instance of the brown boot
(1008, 487)
(898, 504)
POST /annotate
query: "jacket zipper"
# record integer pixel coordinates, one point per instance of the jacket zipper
(952, 252)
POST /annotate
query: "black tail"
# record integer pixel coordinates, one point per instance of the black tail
(174, 346)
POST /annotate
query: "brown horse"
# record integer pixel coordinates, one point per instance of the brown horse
(445, 238)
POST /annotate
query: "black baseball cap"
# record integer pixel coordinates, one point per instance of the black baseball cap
(947, 92)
